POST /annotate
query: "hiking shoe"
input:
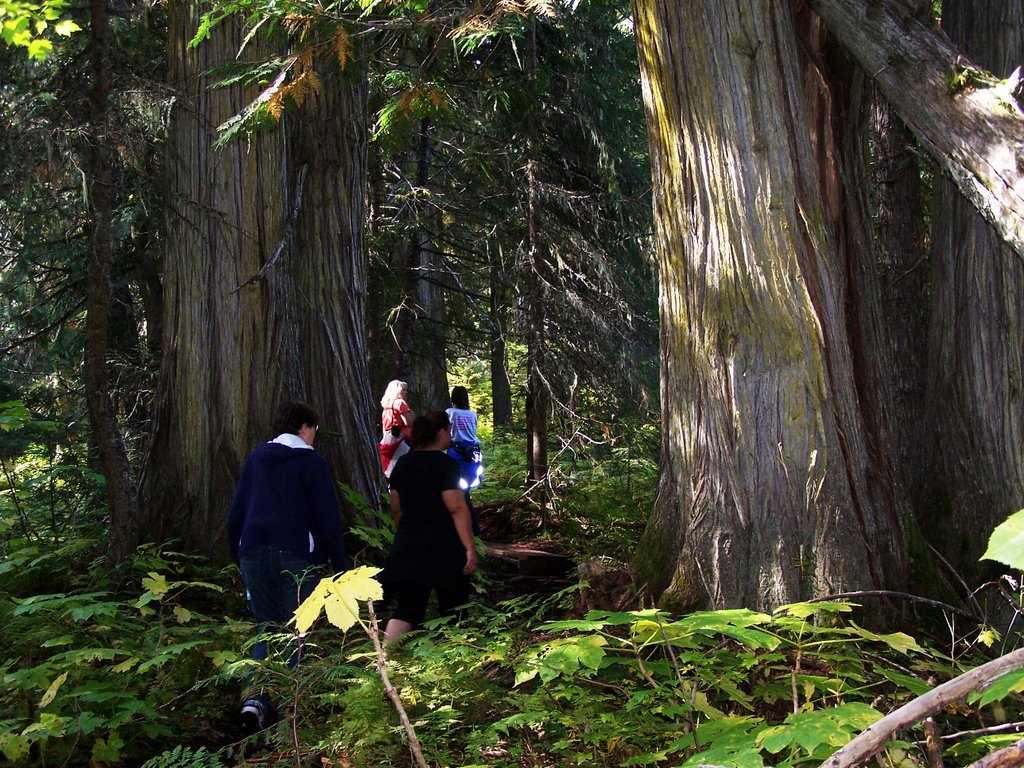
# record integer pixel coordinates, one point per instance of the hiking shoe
(257, 714)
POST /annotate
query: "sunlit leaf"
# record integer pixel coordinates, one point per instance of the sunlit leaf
(1006, 544)
(339, 597)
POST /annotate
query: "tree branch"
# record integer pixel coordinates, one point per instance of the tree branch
(873, 738)
(389, 689)
(966, 119)
(1008, 757)
(289, 225)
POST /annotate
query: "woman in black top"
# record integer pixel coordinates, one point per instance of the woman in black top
(433, 547)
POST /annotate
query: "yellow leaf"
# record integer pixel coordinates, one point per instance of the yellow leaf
(182, 614)
(51, 692)
(156, 583)
(342, 606)
(308, 612)
(125, 665)
(339, 597)
(988, 637)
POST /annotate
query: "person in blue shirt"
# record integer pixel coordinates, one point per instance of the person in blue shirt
(284, 526)
(465, 447)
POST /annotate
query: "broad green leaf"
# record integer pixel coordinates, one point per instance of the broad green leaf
(1006, 544)
(107, 751)
(220, 658)
(93, 609)
(810, 730)
(524, 674)
(48, 726)
(1004, 685)
(805, 610)
(913, 685)
(39, 49)
(14, 746)
(732, 732)
(741, 758)
(168, 653)
(590, 650)
(648, 758)
(898, 641)
(55, 642)
(87, 655)
(90, 721)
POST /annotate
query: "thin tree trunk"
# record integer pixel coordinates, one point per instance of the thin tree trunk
(120, 489)
(428, 359)
(419, 356)
(536, 387)
(764, 495)
(501, 388)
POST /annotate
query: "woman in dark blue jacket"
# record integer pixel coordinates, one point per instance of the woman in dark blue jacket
(284, 525)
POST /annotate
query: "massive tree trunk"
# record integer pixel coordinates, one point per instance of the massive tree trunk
(122, 505)
(766, 490)
(324, 284)
(976, 350)
(264, 290)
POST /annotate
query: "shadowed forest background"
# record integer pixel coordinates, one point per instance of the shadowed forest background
(735, 287)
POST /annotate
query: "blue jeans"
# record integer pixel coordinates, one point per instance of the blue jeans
(276, 582)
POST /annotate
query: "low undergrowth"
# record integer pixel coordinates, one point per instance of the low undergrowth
(145, 665)
(153, 672)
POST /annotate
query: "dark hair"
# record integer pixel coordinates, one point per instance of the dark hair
(460, 398)
(426, 426)
(290, 416)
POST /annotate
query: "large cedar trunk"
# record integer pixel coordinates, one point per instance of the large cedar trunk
(325, 283)
(237, 342)
(902, 258)
(976, 353)
(766, 492)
